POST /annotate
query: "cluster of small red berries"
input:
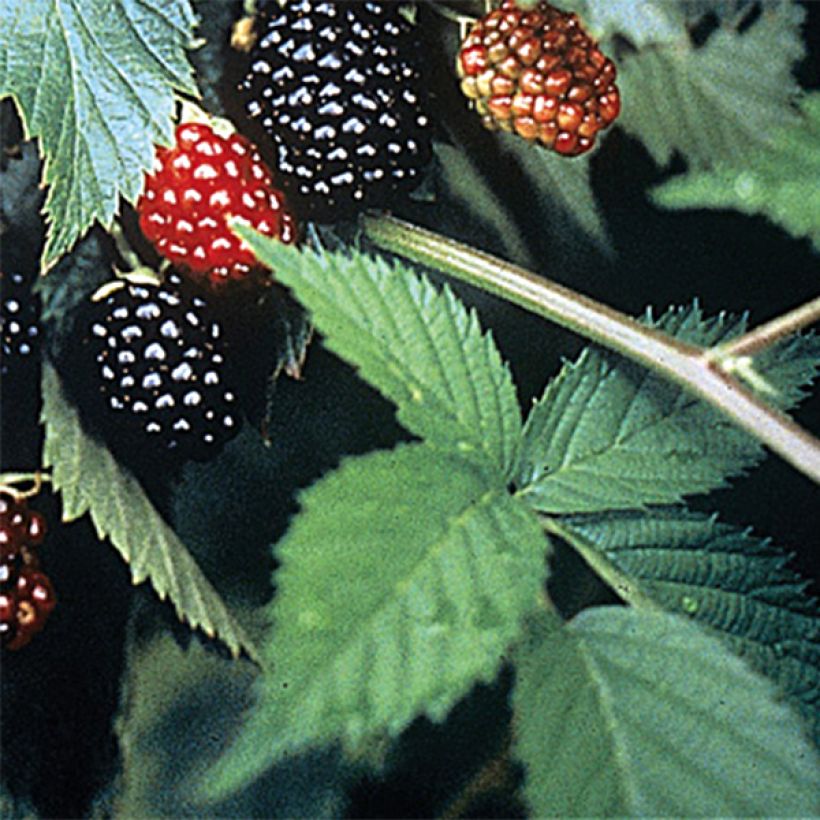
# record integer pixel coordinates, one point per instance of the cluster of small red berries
(538, 74)
(195, 187)
(26, 594)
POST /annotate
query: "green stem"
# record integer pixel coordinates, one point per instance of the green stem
(452, 15)
(681, 363)
(35, 479)
(765, 335)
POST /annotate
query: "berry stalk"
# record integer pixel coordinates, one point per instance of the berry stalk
(686, 365)
(765, 335)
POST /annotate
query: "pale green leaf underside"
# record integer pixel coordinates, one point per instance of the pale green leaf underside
(465, 183)
(420, 347)
(642, 22)
(726, 579)
(563, 188)
(608, 434)
(630, 713)
(713, 103)
(95, 81)
(401, 584)
(90, 480)
(779, 181)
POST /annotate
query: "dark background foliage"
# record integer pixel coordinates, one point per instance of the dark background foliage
(60, 695)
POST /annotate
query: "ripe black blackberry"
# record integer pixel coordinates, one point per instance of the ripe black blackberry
(159, 371)
(338, 89)
(19, 321)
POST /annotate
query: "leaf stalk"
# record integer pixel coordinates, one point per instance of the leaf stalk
(622, 584)
(765, 335)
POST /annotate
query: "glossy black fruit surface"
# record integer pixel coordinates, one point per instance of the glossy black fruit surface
(158, 363)
(339, 90)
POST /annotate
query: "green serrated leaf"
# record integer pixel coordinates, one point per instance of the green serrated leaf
(715, 102)
(778, 181)
(608, 434)
(420, 347)
(95, 81)
(631, 713)
(725, 579)
(90, 480)
(383, 614)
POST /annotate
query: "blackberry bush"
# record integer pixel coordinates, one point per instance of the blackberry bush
(457, 574)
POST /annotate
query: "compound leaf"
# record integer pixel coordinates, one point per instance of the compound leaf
(401, 584)
(608, 434)
(420, 347)
(95, 81)
(90, 480)
(778, 181)
(712, 103)
(724, 578)
(630, 713)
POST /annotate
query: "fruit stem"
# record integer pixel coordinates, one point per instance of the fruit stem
(464, 21)
(36, 479)
(684, 364)
(767, 334)
(124, 248)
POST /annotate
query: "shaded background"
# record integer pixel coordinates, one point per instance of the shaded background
(60, 694)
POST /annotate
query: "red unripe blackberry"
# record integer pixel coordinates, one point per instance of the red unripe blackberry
(26, 594)
(36, 530)
(195, 187)
(339, 90)
(538, 74)
(27, 622)
(8, 617)
(35, 586)
(158, 371)
(14, 522)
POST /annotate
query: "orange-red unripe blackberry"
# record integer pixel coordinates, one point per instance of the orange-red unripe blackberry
(538, 74)
(194, 188)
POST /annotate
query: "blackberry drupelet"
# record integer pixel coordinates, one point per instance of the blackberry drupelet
(339, 90)
(159, 368)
